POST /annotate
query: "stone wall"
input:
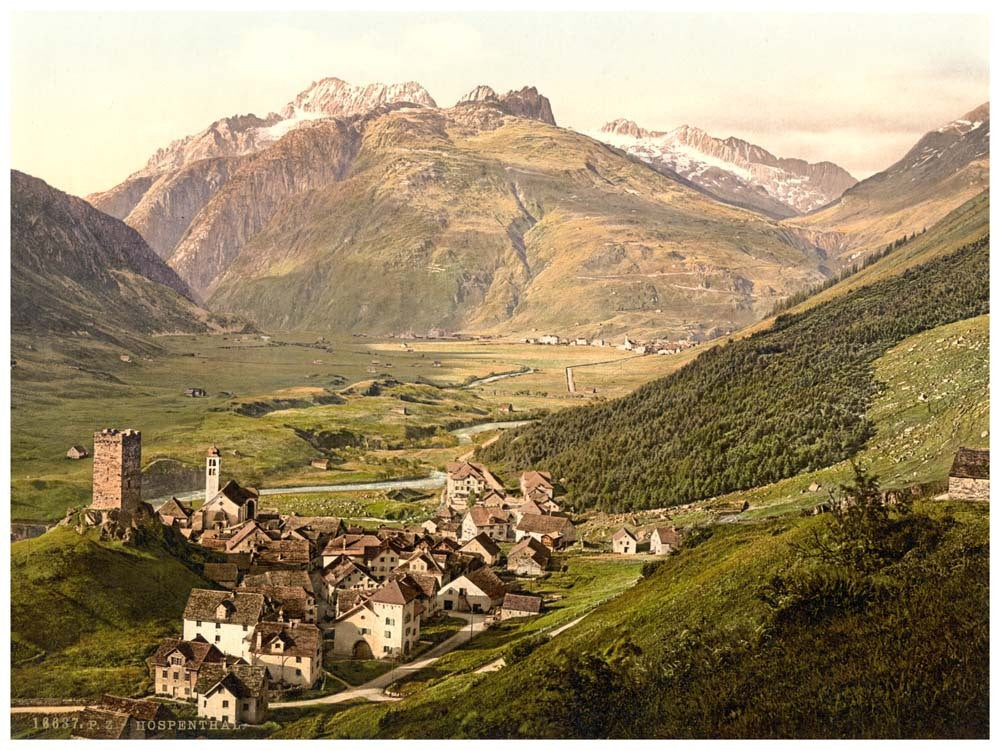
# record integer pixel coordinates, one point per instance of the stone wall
(960, 488)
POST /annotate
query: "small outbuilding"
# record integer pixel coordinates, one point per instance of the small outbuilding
(76, 452)
(969, 478)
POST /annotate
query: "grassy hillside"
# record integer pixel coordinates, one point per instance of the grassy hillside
(85, 613)
(745, 635)
(789, 399)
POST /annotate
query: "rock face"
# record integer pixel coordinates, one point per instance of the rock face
(733, 170)
(332, 97)
(526, 102)
(75, 269)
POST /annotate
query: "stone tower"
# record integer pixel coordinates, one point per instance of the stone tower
(117, 470)
(213, 461)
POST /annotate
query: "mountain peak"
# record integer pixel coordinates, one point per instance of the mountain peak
(479, 94)
(622, 126)
(525, 102)
(334, 97)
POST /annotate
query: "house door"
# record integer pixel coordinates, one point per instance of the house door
(448, 604)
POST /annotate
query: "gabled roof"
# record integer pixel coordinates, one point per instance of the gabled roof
(353, 544)
(175, 509)
(248, 529)
(622, 533)
(195, 653)
(242, 607)
(486, 581)
(241, 680)
(530, 508)
(280, 578)
(236, 494)
(522, 603)
(533, 524)
(397, 591)
(483, 542)
(971, 463)
(482, 516)
(293, 600)
(138, 708)
(285, 552)
(532, 548)
(532, 479)
(426, 583)
(340, 569)
(465, 469)
(300, 639)
(666, 535)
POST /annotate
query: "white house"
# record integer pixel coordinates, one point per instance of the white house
(225, 619)
(478, 591)
(624, 542)
(491, 521)
(235, 694)
(292, 652)
(385, 625)
(664, 540)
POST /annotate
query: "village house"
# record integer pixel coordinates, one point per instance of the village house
(361, 548)
(235, 694)
(176, 664)
(506, 409)
(345, 575)
(664, 540)
(248, 538)
(386, 625)
(467, 481)
(483, 547)
(230, 506)
(624, 542)
(320, 463)
(969, 478)
(520, 605)
(552, 531)
(175, 513)
(292, 652)
(284, 554)
(224, 619)
(195, 392)
(428, 585)
(549, 339)
(482, 520)
(289, 603)
(529, 557)
(422, 562)
(477, 591)
(76, 452)
(540, 481)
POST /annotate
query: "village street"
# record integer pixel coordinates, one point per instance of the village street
(372, 690)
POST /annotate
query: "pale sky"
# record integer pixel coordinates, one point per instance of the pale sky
(94, 95)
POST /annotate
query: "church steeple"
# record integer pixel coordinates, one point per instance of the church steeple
(213, 466)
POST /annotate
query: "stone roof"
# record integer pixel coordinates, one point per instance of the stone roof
(175, 509)
(236, 494)
(101, 724)
(530, 547)
(522, 603)
(280, 578)
(482, 516)
(340, 569)
(425, 582)
(667, 535)
(299, 639)
(242, 607)
(352, 544)
(249, 528)
(532, 479)
(195, 653)
(137, 708)
(483, 542)
(242, 680)
(221, 572)
(285, 552)
(971, 463)
(397, 591)
(533, 524)
(486, 580)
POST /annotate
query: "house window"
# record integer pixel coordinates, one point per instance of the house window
(246, 706)
(386, 649)
(218, 639)
(388, 634)
(298, 659)
(225, 704)
(177, 675)
(164, 674)
(389, 621)
(298, 672)
(244, 628)
(217, 626)
(176, 660)
(187, 691)
(197, 623)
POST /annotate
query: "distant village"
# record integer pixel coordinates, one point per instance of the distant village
(628, 344)
(292, 589)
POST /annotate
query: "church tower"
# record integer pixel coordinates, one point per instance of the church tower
(213, 461)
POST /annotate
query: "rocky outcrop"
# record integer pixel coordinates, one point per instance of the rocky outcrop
(732, 169)
(526, 102)
(332, 97)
